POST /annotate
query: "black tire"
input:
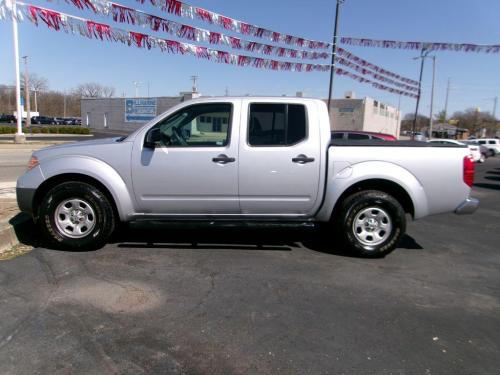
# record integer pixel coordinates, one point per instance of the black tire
(102, 216)
(387, 207)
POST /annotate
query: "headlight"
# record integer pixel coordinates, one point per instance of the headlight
(32, 163)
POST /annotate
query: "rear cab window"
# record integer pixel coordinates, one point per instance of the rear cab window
(355, 136)
(276, 124)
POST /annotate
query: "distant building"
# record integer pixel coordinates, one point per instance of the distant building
(127, 114)
(443, 130)
(365, 114)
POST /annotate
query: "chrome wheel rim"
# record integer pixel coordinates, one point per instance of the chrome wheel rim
(372, 226)
(75, 218)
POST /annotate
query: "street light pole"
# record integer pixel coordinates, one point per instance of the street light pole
(334, 52)
(136, 84)
(446, 100)
(432, 95)
(494, 113)
(19, 136)
(422, 56)
(27, 92)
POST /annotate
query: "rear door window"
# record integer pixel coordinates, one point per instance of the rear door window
(355, 136)
(273, 124)
(337, 135)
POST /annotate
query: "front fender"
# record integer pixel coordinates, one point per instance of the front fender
(343, 178)
(98, 170)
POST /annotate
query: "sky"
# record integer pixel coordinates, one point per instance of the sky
(67, 60)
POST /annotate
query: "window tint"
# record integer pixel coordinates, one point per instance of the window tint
(482, 142)
(355, 136)
(296, 123)
(491, 142)
(276, 124)
(337, 135)
(203, 125)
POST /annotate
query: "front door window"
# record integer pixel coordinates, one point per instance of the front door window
(202, 125)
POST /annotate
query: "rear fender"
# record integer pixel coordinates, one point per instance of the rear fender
(341, 179)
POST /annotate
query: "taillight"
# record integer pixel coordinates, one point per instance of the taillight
(468, 170)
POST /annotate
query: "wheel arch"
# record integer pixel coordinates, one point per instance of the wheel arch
(387, 186)
(53, 181)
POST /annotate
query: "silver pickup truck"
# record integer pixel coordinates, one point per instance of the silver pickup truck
(244, 159)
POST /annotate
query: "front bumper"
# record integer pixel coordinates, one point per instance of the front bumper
(25, 199)
(467, 207)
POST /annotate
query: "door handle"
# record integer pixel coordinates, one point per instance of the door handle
(302, 159)
(223, 159)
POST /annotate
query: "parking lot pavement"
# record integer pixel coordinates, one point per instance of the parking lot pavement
(166, 300)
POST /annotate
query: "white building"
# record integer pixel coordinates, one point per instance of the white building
(365, 114)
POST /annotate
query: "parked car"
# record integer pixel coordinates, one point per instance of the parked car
(44, 120)
(11, 119)
(359, 135)
(73, 121)
(485, 151)
(266, 160)
(68, 121)
(493, 144)
(475, 153)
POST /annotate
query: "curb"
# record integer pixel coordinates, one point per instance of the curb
(8, 222)
(15, 228)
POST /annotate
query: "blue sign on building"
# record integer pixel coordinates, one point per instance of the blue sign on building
(140, 110)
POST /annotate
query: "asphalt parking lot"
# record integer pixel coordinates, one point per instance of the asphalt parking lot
(170, 300)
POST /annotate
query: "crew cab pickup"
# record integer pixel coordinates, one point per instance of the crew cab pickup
(245, 159)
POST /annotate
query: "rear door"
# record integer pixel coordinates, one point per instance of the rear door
(279, 159)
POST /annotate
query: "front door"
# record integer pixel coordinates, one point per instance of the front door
(279, 160)
(193, 170)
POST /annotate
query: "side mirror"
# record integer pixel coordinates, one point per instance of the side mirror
(153, 137)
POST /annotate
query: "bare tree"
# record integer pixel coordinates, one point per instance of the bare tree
(94, 90)
(407, 122)
(474, 120)
(37, 83)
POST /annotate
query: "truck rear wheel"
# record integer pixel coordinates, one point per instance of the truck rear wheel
(371, 223)
(76, 215)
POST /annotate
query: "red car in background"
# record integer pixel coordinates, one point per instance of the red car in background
(358, 135)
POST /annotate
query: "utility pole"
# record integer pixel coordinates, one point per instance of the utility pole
(494, 111)
(334, 52)
(399, 116)
(136, 84)
(194, 79)
(227, 91)
(432, 95)
(36, 102)
(64, 103)
(27, 91)
(446, 100)
(423, 55)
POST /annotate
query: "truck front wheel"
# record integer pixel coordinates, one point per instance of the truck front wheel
(371, 223)
(76, 215)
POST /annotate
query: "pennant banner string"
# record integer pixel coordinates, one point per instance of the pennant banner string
(358, 60)
(132, 16)
(376, 76)
(429, 46)
(182, 9)
(123, 14)
(94, 30)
